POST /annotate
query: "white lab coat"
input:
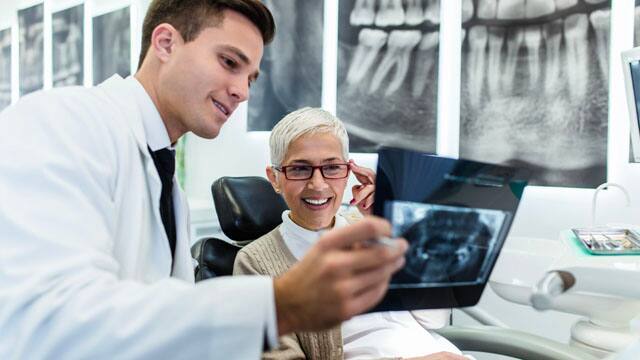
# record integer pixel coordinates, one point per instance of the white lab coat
(85, 264)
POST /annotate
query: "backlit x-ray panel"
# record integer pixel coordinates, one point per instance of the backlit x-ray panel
(535, 87)
(5, 68)
(448, 245)
(291, 68)
(455, 214)
(388, 72)
(111, 45)
(30, 22)
(68, 46)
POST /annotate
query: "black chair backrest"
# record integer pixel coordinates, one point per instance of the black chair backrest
(247, 208)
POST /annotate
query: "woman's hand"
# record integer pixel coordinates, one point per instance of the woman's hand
(363, 193)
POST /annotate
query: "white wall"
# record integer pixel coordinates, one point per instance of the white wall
(544, 212)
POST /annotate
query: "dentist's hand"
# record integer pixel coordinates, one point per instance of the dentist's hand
(363, 193)
(338, 278)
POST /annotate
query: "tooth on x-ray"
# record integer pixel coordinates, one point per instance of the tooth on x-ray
(487, 9)
(564, 4)
(539, 8)
(414, 14)
(467, 10)
(432, 11)
(390, 13)
(532, 40)
(477, 45)
(496, 38)
(576, 29)
(600, 20)
(511, 9)
(552, 33)
(514, 40)
(398, 55)
(370, 41)
(425, 60)
(363, 13)
(595, 1)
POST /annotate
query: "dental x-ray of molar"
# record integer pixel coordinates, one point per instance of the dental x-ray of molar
(534, 89)
(68, 46)
(291, 68)
(388, 72)
(5, 68)
(31, 52)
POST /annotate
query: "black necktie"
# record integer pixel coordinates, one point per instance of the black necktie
(165, 162)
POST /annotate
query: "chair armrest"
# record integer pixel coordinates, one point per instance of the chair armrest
(509, 342)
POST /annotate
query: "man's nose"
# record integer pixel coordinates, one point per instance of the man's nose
(239, 89)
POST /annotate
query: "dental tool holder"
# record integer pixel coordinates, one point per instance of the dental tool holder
(555, 275)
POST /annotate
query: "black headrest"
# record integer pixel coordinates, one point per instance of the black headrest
(247, 207)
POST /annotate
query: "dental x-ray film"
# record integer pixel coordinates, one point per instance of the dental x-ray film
(455, 214)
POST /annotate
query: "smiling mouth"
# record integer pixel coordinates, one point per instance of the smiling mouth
(316, 202)
(221, 107)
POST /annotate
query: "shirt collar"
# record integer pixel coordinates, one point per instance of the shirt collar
(154, 128)
(298, 239)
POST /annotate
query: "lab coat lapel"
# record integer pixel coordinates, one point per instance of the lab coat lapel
(115, 87)
(182, 263)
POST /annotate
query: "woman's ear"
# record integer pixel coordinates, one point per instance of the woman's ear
(273, 179)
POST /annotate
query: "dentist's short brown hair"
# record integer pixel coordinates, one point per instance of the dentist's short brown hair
(190, 17)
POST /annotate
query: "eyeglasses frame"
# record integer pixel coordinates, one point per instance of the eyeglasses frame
(283, 169)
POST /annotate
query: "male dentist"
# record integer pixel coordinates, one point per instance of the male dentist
(94, 248)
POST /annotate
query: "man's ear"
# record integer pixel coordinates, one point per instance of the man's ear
(163, 40)
(273, 179)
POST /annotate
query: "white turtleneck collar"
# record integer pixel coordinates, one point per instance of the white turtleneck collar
(299, 239)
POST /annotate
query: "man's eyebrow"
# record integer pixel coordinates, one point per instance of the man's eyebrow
(243, 57)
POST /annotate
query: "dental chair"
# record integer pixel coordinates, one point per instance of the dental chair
(248, 208)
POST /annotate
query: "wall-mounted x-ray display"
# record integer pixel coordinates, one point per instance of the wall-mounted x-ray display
(68, 46)
(31, 30)
(388, 72)
(535, 87)
(291, 68)
(111, 45)
(636, 38)
(5, 68)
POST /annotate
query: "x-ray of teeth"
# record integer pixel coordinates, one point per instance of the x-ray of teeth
(291, 68)
(447, 244)
(5, 68)
(636, 38)
(30, 22)
(111, 45)
(534, 89)
(388, 72)
(68, 46)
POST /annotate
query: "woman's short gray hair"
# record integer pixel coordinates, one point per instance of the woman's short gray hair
(302, 122)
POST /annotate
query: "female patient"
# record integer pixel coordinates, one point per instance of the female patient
(309, 152)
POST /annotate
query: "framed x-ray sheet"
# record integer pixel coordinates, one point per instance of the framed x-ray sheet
(455, 214)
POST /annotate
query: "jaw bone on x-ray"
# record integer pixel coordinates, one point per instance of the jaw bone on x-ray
(388, 71)
(447, 244)
(535, 88)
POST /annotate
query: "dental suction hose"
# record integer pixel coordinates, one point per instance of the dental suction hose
(551, 285)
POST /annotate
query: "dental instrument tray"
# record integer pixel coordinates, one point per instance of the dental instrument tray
(609, 241)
